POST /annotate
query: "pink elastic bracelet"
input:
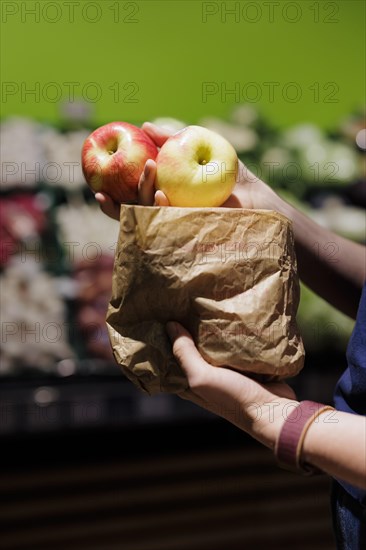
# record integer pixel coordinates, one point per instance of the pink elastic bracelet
(290, 441)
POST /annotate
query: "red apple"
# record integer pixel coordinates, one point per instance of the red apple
(113, 158)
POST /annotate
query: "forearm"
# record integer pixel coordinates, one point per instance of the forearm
(336, 443)
(332, 266)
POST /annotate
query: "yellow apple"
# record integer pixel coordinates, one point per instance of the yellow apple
(196, 168)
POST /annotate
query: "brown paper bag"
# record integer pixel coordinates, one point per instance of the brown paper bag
(228, 275)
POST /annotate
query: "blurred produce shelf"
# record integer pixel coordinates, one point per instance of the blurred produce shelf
(43, 405)
(56, 261)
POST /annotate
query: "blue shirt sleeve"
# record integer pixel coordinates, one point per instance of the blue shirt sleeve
(350, 391)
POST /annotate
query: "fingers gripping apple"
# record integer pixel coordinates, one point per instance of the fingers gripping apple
(196, 168)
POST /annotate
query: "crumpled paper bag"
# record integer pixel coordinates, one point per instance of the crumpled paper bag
(228, 275)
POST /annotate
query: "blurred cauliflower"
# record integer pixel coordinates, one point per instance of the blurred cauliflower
(34, 319)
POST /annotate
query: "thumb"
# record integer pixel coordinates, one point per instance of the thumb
(185, 352)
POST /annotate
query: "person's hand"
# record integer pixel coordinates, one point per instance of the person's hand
(249, 191)
(147, 196)
(258, 409)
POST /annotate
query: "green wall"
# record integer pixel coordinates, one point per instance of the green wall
(296, 61)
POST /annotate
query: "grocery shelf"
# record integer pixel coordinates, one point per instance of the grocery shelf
(56, 368)
(41, 404)
(49, 404)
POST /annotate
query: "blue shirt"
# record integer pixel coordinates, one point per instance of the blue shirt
(350, 391)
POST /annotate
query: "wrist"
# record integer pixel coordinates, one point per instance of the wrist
(290, 444)
(268, 419)
(270, 200)
(315, 433)
(264, 197)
